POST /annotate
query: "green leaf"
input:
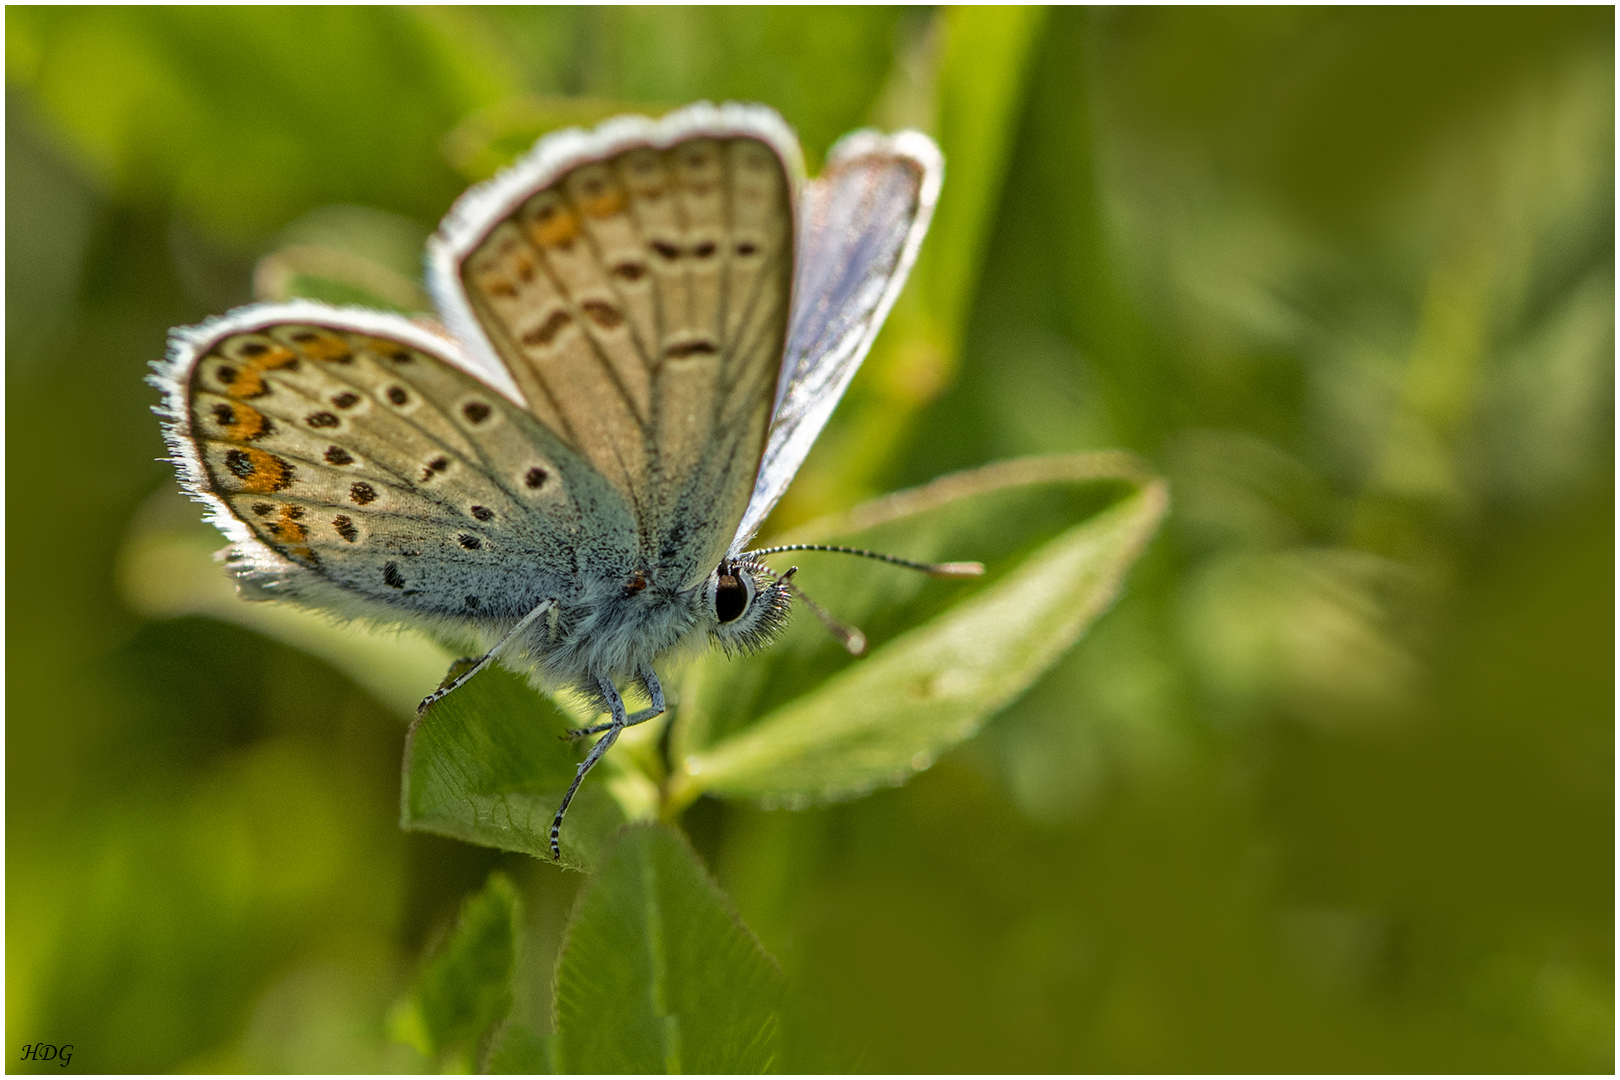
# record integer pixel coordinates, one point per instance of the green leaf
(518, 1049)
(466, 989)
(657, 974)
(488, 764)
(1057, 536)
(804, 720)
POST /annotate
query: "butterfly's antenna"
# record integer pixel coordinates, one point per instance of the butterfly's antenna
(853, 639)
(938, 570)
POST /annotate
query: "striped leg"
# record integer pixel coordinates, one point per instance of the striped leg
(611, 734)
(655, 693)
(538, 610)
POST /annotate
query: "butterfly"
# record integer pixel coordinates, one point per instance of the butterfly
(644, 328)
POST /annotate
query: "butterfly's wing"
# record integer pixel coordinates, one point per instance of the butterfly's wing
(360, 468)
(631, 286)
(860, 225)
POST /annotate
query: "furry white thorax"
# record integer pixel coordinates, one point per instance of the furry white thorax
(615, 630)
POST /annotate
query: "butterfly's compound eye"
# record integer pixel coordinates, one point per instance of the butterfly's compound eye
(732, 593)
(749, 603)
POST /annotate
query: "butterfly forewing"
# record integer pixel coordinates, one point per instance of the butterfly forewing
(385, 469)
(640, 304)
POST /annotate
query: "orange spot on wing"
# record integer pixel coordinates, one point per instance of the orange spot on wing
(393, 350)
(305, 556)
(286, 527)
(241, 380)
(604, 205)
(271, 359)
(259, 351)
(555, 230)
(257, 470)
(246, 424)
(323, 345)
(245, 361)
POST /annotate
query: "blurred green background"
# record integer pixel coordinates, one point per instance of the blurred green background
(1330, 789)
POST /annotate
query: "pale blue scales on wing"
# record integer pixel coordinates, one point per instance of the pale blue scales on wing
(860, 227)
(645, 328)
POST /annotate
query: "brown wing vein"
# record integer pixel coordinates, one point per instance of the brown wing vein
(620, 296)
(526, 374)
(762, 328)
(578, 315)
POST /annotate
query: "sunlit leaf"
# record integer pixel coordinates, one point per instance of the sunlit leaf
(466, 988)
(657, 974)
(345, 254)
(488, 764)
(1057, 536)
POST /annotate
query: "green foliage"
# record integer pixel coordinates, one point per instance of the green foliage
(657, 974)
(519, 1050)
(1329, 787)
(961, 77)
(939, 665)
(465, 989)
(806, 722)
(489, 764)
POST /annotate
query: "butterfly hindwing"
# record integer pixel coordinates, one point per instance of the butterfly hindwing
(636, 292)
(861, 223)
(363, 460)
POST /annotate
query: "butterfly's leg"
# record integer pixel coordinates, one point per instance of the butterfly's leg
(539, 609)
(655, 693)
(616, 703)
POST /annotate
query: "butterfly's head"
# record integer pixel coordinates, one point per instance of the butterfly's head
(748, 605)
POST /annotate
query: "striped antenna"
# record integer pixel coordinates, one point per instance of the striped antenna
(938, 570)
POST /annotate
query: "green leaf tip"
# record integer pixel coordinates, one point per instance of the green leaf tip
(518, 1049)
(488, 765)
